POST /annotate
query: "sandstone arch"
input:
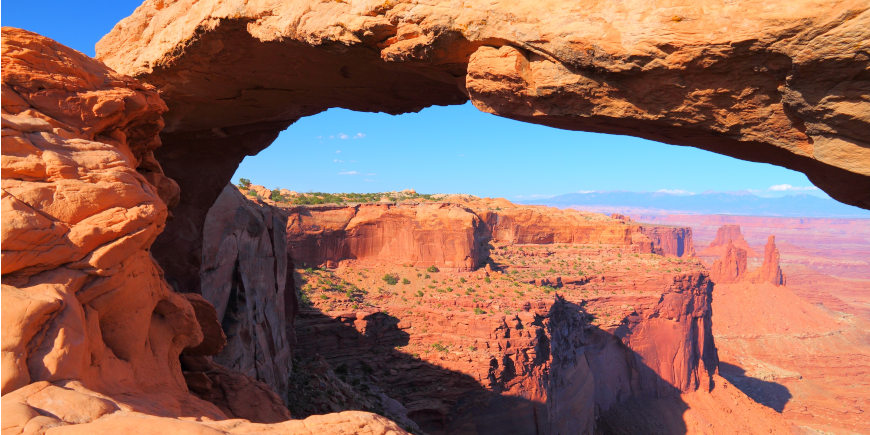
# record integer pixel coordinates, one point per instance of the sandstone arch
(779, 83)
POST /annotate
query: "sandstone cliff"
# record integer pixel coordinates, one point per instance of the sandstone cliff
(93, 335)
(724, 235)
(731, 267)
(770, 271)
(443, 235)
(456, 232)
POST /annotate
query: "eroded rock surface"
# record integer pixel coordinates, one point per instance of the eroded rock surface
(92, 332)
(724, 235)
(443, 235)
(455, 232)
(245, 276)
(770, 271)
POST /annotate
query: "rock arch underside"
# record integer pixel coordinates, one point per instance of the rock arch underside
(108, 174)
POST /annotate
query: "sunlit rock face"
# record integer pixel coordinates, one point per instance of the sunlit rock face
(93, 335)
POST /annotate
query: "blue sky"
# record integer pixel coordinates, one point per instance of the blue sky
(442, 149)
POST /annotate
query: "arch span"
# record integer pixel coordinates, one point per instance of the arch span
(784, 84)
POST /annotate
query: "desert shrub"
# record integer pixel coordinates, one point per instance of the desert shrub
(478, 311)
(244, 183)
(406, 281)
(276, 196)
(432, 269)
(391, 278)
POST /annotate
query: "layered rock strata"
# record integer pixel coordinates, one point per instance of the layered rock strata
(726, 234)
(456, 232)
(457, 360)
(444, 235)
(770, 270)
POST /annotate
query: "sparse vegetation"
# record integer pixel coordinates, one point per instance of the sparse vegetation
(391, 279)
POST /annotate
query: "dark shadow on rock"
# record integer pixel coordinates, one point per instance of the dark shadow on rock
(338, 367)
(769, 394)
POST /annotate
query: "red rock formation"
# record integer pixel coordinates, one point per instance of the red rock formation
(668, 240)
(731, 267)
(725, 235)
(92, 332)
(545, 366)
(677, 76)
(245, 276)
(442, 235)
(446, 234)
(226, 71)
(769, 270)
(83, 301)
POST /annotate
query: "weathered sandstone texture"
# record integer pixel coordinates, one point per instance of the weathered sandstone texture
(732, 266)
(92, 333)
(779, 82)
(245, 276)
(770, 271)
(456, 232)
(782, 83)
(724, 235)
(445, 235)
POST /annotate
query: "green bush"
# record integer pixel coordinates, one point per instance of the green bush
(478, 311)
(432, 269)
(276, 196)
(391, 278)
(406, 281)
(244, 183)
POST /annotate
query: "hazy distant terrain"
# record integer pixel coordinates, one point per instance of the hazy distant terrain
(737, 203)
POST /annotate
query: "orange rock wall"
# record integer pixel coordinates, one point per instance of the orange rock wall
(443, 235)
(85, 307)
(456, 236)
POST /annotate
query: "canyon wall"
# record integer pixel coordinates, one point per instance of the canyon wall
(676, 241)
(456, 363)
(457, 235)
(443, 235)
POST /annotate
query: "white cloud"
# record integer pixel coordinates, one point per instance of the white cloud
(359, 135)
(371, 174)
(585, 191)
(790, 188)
(348, 173)
(675, 192)
(338, 151)
(337, 161)
(369, 180)
(343, 136)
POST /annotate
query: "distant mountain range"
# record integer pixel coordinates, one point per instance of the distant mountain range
(734, 203)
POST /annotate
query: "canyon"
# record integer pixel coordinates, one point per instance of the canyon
(141, 293)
